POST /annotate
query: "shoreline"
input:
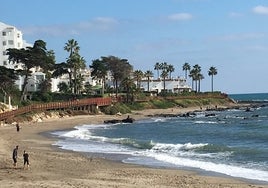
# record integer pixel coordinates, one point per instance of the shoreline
(51, 166)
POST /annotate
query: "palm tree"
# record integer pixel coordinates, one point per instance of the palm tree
(192, 75)
(170, 69)
(186, 67)
(138, 75)
(164, 75)
(75, 63)
(199, 78)
(99, 71)
(129, 86)
(148, 74)
(166, 69)
(157, 67)
(163, 66)
(212, 71)
(79, 83)
(196, 76)
(72, 47)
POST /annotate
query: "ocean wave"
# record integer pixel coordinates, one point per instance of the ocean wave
(94, 147)
(169, 147)
(187, 149)
(227, 169)
(160, 120)
(206, 122)
(174, 142)
(201, 150)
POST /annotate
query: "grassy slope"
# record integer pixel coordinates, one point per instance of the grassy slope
(197, 100)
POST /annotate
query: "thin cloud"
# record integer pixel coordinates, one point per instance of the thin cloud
(257, 48)
(260, 10)
(105, 20)
(237, 37)
(180, 17)
(160, 45)
(235, 15)
(99, 24)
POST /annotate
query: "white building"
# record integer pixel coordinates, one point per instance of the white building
(10, 37)
(176, 85)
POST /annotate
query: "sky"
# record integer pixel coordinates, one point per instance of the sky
(231, 35)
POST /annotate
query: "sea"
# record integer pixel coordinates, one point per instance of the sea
(231, 142)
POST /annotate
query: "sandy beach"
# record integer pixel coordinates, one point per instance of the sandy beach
(53, 167)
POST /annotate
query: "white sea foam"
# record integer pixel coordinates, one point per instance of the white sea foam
(200, 115)
(159, 120)
(186, 155)
(206, 122)
(94, 147)
(80, 132)
(173, 154)
(83, 133)
(234, 110)
(163, 147)
(234, 171)
(187, 150)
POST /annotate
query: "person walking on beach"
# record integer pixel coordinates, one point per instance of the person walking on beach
(18, 127)
(25, 159)
(15, 156)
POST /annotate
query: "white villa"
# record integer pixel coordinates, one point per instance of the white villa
(11, 37)
(174, 85)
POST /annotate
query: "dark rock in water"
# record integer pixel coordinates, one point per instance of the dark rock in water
(113, 121)
(256, 115)
(188, 114)
(128, 120)
(248, 109)
(210, 115)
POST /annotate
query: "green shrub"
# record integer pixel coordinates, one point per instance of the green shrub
(136, 106)
(110, 110)
(117, 108)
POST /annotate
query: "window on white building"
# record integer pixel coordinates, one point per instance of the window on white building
(5, 62)
(4, 52)
(4, 33)
(10, 42)
(4, 43)
(19, 44)
(39, 77)
(18, 35)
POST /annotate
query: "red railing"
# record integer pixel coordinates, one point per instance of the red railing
(57, 105)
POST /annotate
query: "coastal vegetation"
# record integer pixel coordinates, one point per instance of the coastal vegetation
(126, 80)
(202, 100)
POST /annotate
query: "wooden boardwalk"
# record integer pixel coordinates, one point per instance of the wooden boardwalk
(75, 104)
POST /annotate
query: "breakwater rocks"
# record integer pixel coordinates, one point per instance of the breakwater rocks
(210, 111)
(113, 121)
